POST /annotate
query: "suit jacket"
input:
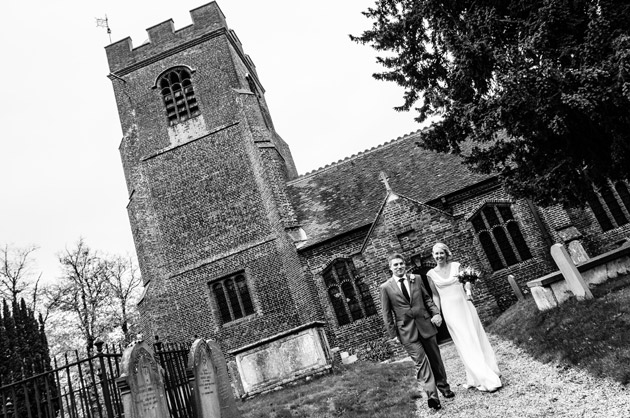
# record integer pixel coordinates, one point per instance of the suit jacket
(409, 321)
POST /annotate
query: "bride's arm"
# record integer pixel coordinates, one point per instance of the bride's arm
(436, 296)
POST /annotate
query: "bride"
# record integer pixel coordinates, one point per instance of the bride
(463, 322)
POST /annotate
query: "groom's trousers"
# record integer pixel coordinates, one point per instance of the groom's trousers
(425, 354)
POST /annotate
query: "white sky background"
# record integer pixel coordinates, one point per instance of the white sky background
(59, 164)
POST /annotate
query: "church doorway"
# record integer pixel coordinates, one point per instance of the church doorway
(420, 266)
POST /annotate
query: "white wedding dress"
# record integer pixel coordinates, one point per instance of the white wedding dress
(467, 332)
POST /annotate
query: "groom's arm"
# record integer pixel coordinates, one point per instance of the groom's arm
(388, 314)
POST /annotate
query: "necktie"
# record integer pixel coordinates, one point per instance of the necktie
(404, 289)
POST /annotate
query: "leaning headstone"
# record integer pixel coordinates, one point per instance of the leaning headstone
(141, 383)
(571, 236)
(577, 252)
(209, 381)
(574, 279)
(515, 288)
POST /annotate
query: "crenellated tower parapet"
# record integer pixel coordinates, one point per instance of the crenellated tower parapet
(208, 21)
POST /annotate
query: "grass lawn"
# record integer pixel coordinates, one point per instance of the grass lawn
(362, 389)
(591, 334)
(594, 335)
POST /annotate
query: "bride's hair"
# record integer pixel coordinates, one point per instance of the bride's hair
(444, 247)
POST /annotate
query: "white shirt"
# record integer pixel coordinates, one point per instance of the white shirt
(405, 282)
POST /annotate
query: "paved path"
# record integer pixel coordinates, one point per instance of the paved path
(531, 389)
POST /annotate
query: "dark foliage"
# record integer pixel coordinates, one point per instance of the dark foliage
(537, 91)
(23, 353)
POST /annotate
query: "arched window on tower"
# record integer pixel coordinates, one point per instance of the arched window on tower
(232, 298)
(178, 95)
(500, 235)
(348, 294)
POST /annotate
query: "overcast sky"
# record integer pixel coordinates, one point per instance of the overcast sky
(59, 162)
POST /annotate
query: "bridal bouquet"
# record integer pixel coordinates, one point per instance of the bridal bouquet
(468, 275)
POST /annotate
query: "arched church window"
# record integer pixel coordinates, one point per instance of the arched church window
(611, 206)
(178, 95)
(232, 297)
(349, 296)
(500, 236)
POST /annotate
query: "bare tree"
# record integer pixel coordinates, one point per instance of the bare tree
(83, 290)
(16, 272)
(123, 277)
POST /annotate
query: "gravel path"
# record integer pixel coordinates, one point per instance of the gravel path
(530, 389)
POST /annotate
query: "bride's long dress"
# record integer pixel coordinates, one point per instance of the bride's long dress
(467, 332)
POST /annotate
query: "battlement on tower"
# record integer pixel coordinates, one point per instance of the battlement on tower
(207, 19)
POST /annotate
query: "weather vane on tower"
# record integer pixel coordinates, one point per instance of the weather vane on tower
(104, 23)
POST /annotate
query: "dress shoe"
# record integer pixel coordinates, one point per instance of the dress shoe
(434, 404)
(448, 394)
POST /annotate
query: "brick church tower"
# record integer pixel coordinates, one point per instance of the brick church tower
(206, 172)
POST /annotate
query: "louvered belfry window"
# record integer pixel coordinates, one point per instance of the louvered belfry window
(349, 295)
(500, 236)
(178, 95)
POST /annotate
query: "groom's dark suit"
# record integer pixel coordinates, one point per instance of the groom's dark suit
(410, 322)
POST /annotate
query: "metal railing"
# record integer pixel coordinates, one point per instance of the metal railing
(86, 388)
(174, 359)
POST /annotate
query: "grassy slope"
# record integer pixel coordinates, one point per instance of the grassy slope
(592, 334)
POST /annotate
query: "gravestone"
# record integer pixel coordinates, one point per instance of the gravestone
(515, 288)
(571, 238)
(574, 279)
(141, 383)
(209, 381)
(577, 252)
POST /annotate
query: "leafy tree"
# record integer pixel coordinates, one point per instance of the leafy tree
(537, 91)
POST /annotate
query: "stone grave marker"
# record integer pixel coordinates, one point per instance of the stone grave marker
(515, 287)
(209, 381)
(574, 279)
(141, 383)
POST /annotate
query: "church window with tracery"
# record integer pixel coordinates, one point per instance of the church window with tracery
(233, 298)
(500, 236)
(178, 95)
(348, 294)
(611, 206)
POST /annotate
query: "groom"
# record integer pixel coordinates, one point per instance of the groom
(410, 317)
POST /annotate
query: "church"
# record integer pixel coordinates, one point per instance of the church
(235, 246)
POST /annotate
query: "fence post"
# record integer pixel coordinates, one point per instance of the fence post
(102, 375)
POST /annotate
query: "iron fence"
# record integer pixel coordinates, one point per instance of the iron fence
(86, 388)
(174, 359)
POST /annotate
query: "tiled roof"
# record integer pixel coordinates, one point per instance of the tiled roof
(347, 195)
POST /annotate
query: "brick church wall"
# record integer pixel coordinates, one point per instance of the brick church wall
(595, 240)
(429, 226)
(319, 257)
(537, 266)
